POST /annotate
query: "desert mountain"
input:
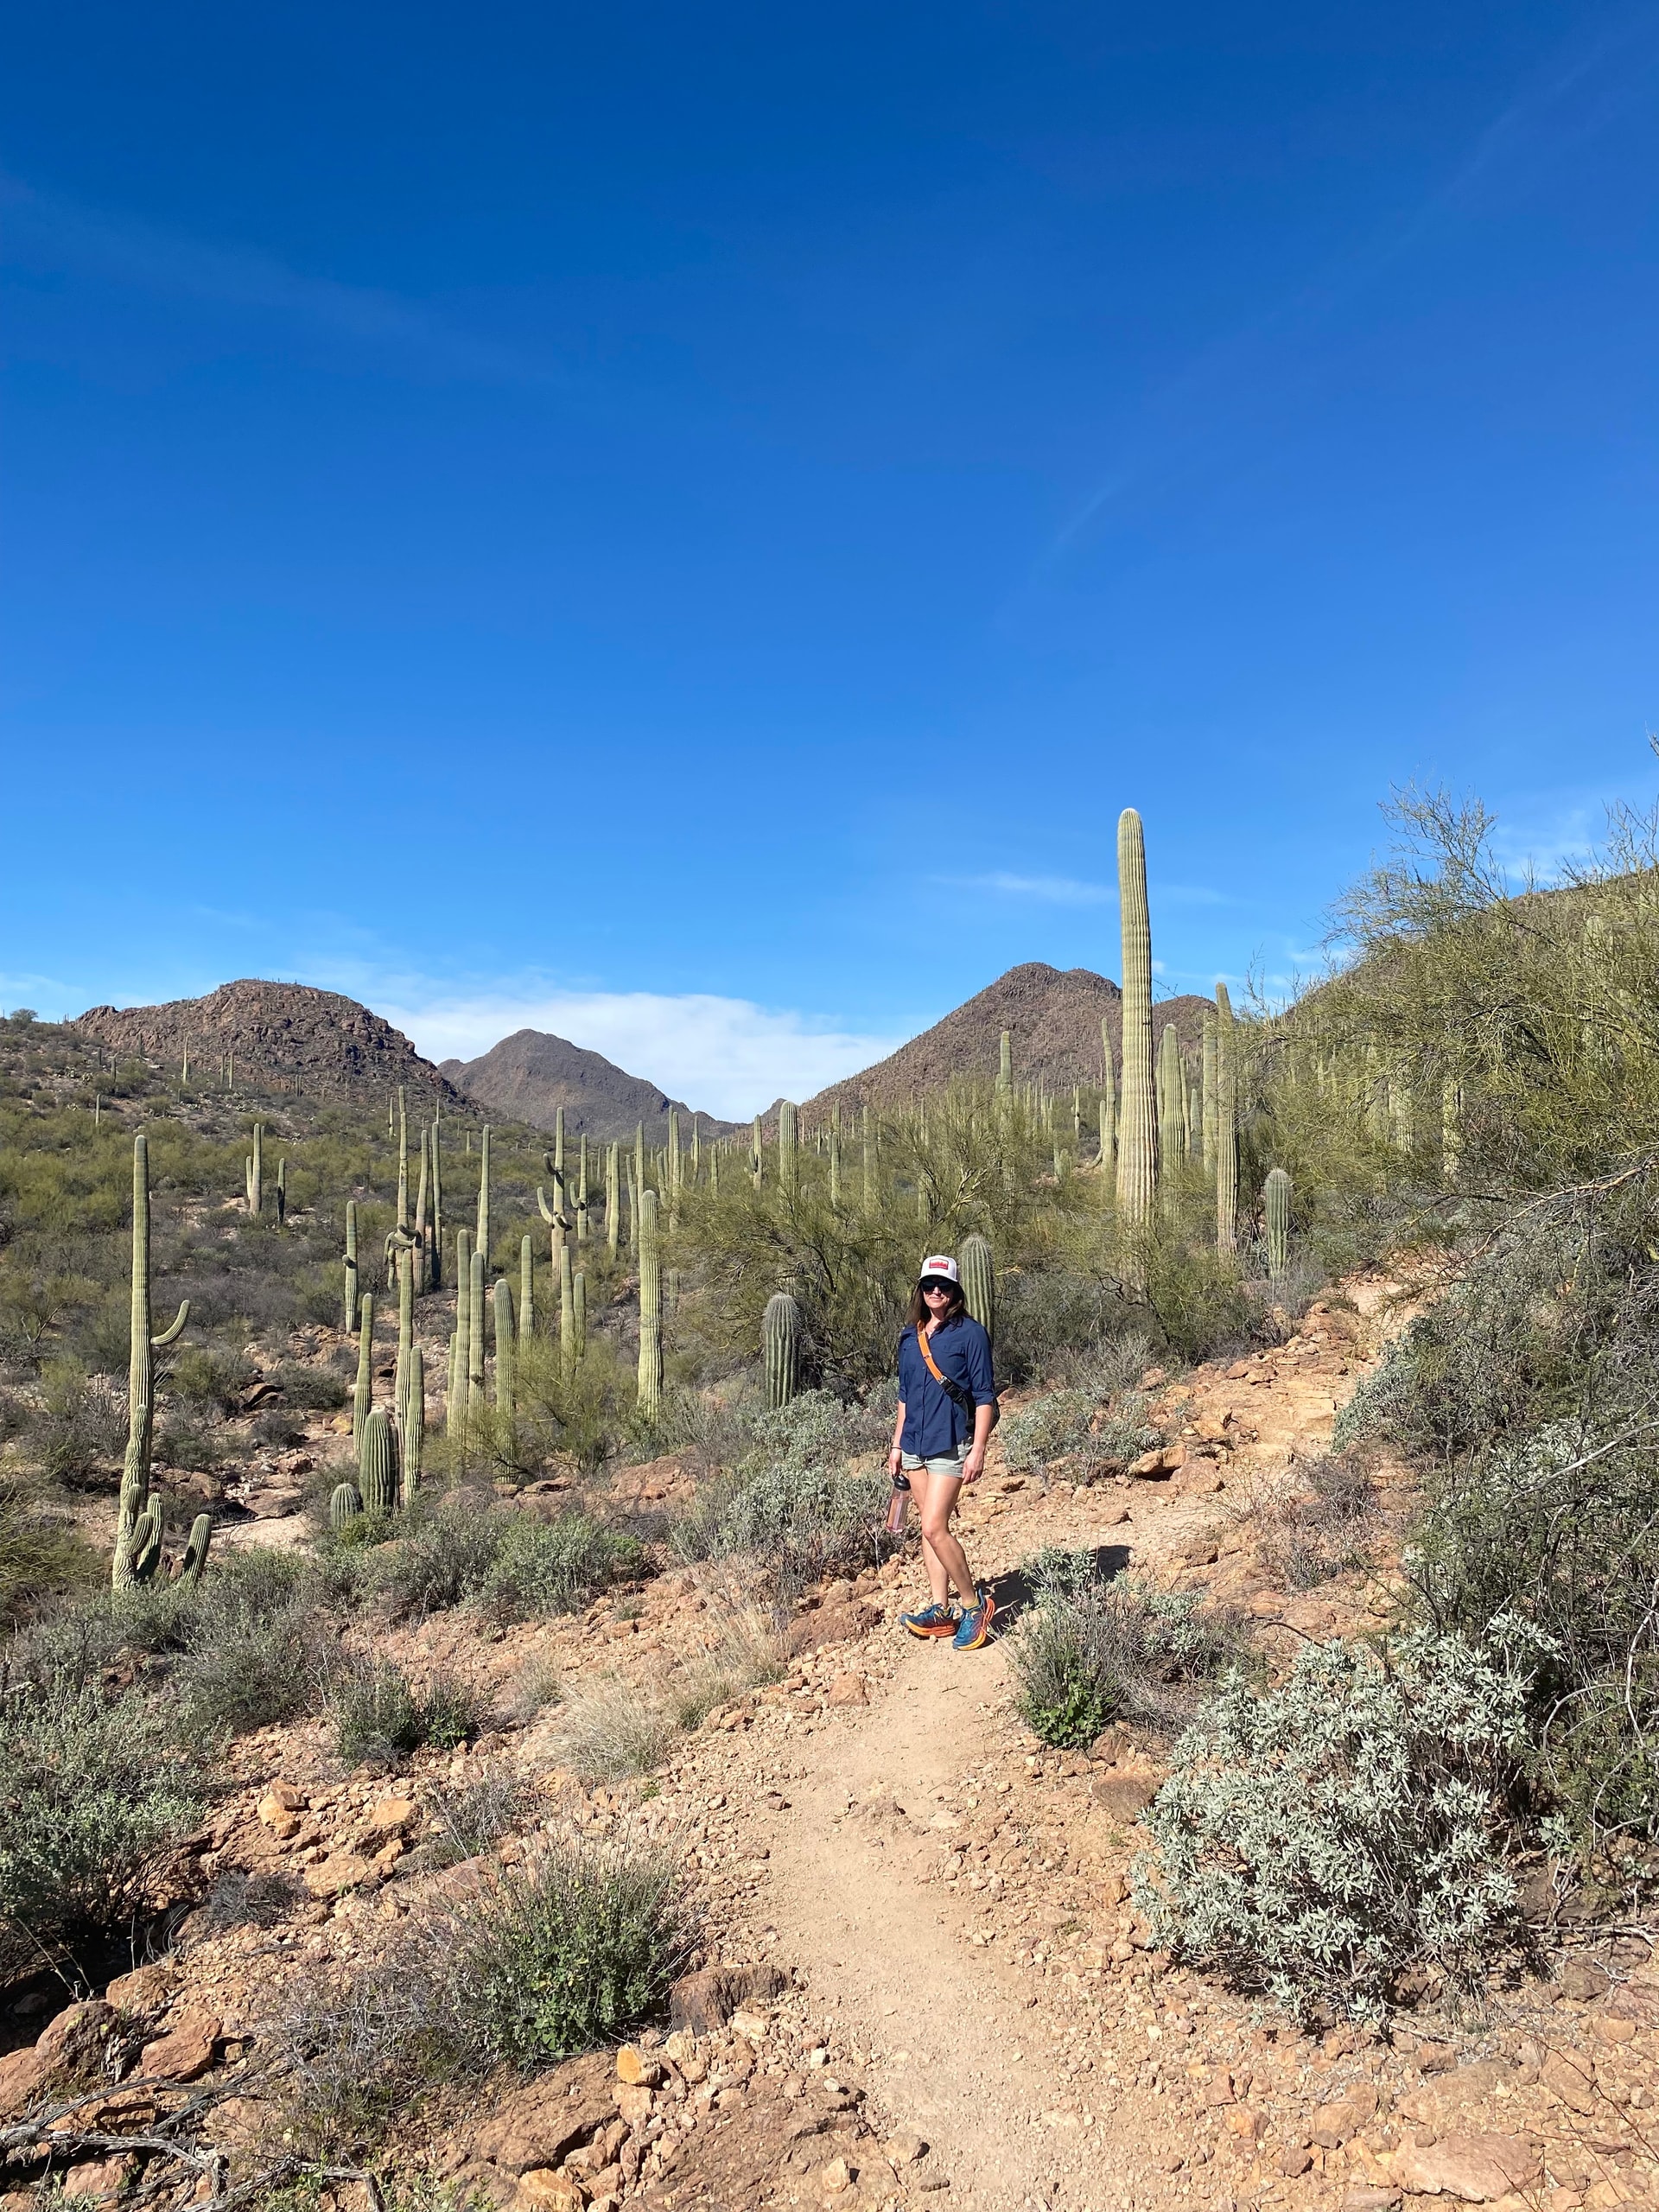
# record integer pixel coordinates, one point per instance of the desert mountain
(1053, 1016)
(285, 1035)
(528, 1075)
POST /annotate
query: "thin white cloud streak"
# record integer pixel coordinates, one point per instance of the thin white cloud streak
(139, 254)
(1068, 891)
(726, 1056)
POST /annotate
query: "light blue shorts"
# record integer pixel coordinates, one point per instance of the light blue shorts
(951, 1464)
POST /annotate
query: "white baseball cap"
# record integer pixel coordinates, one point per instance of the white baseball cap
(938, 1267)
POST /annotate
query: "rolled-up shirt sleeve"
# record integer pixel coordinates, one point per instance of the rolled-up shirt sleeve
(979, 1368)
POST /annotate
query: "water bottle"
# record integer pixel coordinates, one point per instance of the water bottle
(899, 1506)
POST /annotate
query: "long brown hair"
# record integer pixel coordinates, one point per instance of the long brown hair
(918, 1317)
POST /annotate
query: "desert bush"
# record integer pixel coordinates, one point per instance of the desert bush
(1316, 1841)
(609, 1730)
(312, 1390)
(91, 1794)
(42, 1555)
(378, 1718)
(79, 1431)
(256, 1644)
(1092, 1647)
(359, 2051)
(571, 1952)
(1327, 1529)
(557, 1566)
(473, 1818)
(243, 1900)
(443, 1561)
(1195, 1293)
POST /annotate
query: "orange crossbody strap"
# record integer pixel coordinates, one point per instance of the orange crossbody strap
(933, 1368)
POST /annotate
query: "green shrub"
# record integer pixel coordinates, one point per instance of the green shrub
(1092, 1648)
(378, 1718)
(569, 1954)
(1073, 1423)
(42, 1555)
(91, 1794)
(80, 1433)
(1316, 1841)
(557, 1566)
(1326, 1530)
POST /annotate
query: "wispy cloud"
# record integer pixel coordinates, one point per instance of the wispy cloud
(45, 228)
(1070, 891)
(725, 1056)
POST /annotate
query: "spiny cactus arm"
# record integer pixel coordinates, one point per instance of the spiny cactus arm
(195, 1550)
(169, 1336)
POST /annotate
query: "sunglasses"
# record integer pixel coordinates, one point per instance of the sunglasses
(939, 1290)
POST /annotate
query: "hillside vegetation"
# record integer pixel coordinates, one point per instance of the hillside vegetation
(539, 1377)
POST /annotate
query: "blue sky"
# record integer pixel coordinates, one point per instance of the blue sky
(685, 526)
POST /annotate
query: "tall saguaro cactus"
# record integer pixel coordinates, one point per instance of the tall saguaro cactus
(979, 1281)
(579, 1295)
(421, 1257)
(1226, 1124)
(1275, 1203)
(354, 1289)
(482, 1238)
(781, 1330)
(1209, 1079)
(362, 1395)
(651, 1309)
(567, 1311)
(581, 1188)
(376, 1463)
(757, 1156)
(1005, 1066)
(253, 1171)
(788, 1152)
(1137, 1130)
(506, 1381)
(475, 1301)
(403, 1158)
(674, 1168)
(414, 1438)
(1171, 1111)
(526, 1290)
(405, 1327)
(435, 1276)
(141, 1379)
(612, 1196)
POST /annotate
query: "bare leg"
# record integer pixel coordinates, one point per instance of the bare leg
(945, 1560)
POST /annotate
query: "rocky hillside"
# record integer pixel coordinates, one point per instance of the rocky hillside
(285, 1037)
(529, 1075)
(1053, 1016)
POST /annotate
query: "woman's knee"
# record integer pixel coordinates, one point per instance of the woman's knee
(936, 1523)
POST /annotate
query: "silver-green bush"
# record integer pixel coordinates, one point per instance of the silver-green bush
(1316, 1841)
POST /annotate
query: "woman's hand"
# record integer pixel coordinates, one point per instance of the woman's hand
(895, 1461)
(974, 1465)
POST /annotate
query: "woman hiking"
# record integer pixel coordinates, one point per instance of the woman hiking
(947, 1409)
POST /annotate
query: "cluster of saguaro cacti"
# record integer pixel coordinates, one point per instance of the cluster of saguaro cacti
(129, 1546)
(782, 1329)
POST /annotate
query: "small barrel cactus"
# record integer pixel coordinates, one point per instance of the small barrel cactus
(376, 1463)
(781, 1331)
(344, 1506)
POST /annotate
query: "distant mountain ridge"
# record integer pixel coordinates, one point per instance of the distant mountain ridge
(529, 1075)
(287, 1035)
(1053, 1017)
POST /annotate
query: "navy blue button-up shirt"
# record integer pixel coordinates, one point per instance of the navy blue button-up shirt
(934, 1423)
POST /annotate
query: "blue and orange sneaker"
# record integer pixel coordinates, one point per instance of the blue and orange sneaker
(976, 1625)
(932, 1620)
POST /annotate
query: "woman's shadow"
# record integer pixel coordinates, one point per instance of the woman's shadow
(1016, 1589)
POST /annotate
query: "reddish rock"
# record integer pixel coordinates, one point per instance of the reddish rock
(185, 2051)
(1571, 2079)
(833, 1623)
(1477, 2168)
(705, 2001)
(343, 1870)
(848, 1689)
(1125, 1797)
(22, 2074)
(145, 1991)
(539, 2125)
